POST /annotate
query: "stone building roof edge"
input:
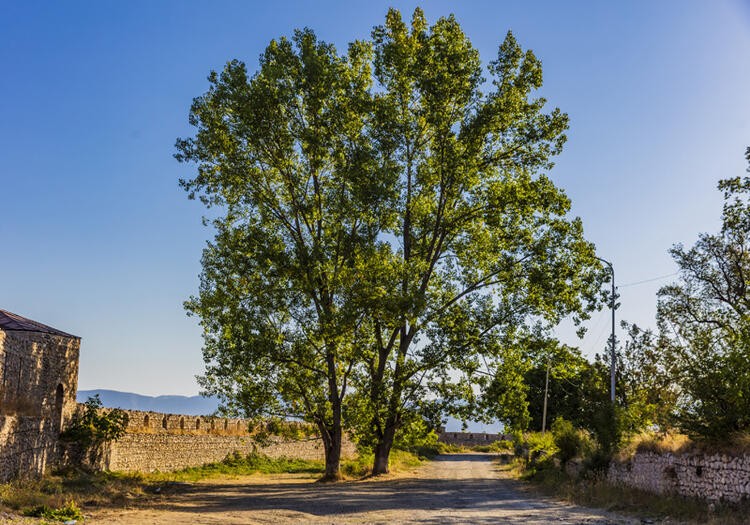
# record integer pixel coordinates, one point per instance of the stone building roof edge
(14, 322)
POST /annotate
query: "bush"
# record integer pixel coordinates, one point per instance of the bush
(570, 442)
(92, 425)
(69, 511)
(496, 446)
(534, 447)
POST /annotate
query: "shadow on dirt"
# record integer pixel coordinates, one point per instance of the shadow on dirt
(486, 495)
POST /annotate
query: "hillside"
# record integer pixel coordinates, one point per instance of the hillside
(188, 405)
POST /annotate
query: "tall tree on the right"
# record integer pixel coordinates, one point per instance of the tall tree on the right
(704, 321)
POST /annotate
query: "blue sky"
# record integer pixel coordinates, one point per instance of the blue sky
(99, 240)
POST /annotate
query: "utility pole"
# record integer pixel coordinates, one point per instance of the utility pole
(612, 364)
(546, 390)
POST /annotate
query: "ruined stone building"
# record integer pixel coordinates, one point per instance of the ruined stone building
(38, 384)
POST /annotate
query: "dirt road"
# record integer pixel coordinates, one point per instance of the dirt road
(455, 488)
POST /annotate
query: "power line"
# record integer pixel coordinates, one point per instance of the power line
(648, 280)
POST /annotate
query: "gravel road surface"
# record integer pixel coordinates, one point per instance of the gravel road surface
(455, 488)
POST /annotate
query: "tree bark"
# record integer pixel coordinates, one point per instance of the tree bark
(332, 451)
(383, 451)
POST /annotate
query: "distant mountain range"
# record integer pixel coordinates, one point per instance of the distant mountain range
(188, 405)
(200, 406)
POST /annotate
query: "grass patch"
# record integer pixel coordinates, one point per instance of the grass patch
(497, 447)
(238, 465)
(59, 493)
(69, 511)
(400, 460)
(449, 448)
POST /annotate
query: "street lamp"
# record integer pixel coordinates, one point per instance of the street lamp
(612, 337)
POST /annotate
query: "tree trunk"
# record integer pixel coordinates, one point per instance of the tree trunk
(332, 450)
(383, 451)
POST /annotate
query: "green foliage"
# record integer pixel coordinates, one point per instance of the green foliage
(237, 464)
(251, 463)
(570, 441)
(286, 155)
(578, 390)
(505, 397)
(69, 511)
(94, 425)
(704, 322)
(399, 460)
(496, 446)
(535, 448)
(385, 229)
(449, 448)
(275, 426)
(484, 243)
(417, 435)
(647, 389)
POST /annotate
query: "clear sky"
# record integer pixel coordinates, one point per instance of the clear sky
(97, 239)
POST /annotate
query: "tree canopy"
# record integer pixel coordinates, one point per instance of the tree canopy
(482, 243)
(704, 321)
(286, 156)
(384, 227)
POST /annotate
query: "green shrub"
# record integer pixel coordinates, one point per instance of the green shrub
(496, 446)
(92, 425)
(534, 447)
(69, 511)
(448, 448)
(570, 442)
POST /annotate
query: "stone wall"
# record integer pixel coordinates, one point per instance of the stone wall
(38, 383)
(38, 374)
(28, 445)
(166, 442)
(469, 439)
(714, 477)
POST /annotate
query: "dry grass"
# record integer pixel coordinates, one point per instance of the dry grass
(656, 443)
(674, 443)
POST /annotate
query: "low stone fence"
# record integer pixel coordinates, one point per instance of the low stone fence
(469, 439)
(165, 442)
(714, 477)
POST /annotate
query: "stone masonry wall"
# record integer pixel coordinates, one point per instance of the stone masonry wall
(165, 442)
(469, 439)
(38, 383)
(28, 445)
(714, 477)
(38, 374)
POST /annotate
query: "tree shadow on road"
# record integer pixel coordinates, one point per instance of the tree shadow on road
(486, 499)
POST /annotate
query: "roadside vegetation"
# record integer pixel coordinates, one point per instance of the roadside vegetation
(541, 460)
(682, 388)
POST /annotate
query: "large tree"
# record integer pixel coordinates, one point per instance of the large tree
(363, 209)
(285, 159)
(704, 321)
(482, 244)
